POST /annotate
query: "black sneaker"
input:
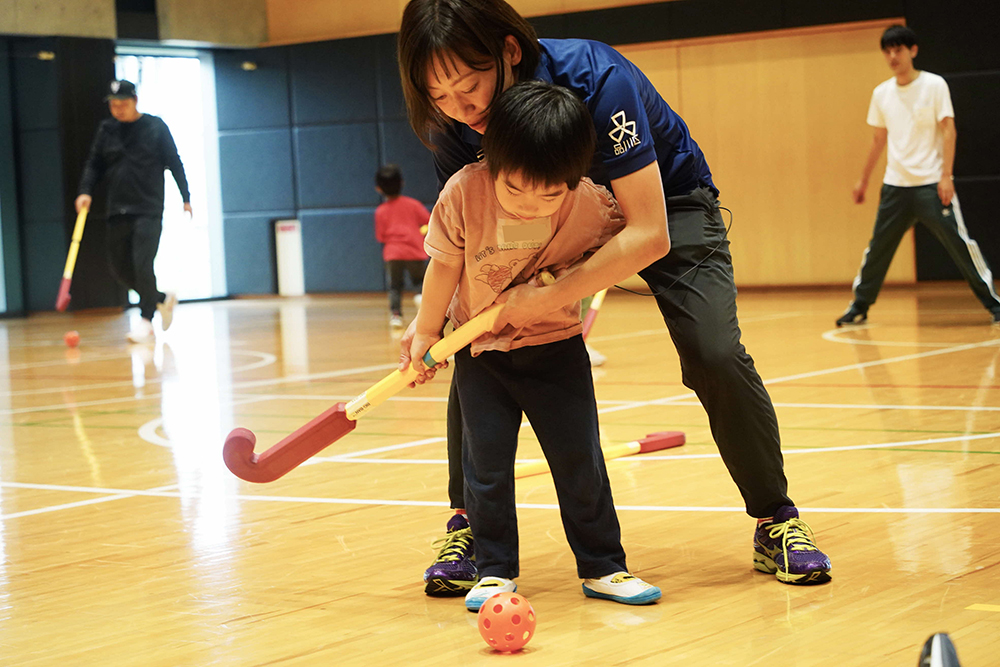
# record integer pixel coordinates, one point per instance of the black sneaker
(856, 315)
(996, 317)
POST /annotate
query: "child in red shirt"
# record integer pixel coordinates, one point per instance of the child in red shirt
(400, 225)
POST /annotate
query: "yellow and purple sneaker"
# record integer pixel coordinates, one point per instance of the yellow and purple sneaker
(453, 571)
(785, 547)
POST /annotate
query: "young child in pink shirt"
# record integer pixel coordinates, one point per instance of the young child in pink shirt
(398, 223)
(498, 224)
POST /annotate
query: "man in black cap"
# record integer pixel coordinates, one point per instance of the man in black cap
(132, 149)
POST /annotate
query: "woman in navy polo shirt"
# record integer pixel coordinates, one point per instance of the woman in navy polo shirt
(455, 58)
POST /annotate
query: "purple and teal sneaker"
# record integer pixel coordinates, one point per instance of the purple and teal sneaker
(453, 572)
(785, 548)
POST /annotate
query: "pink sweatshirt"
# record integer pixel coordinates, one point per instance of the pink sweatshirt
(469, 227)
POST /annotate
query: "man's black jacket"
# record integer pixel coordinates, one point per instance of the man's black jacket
(133, 156)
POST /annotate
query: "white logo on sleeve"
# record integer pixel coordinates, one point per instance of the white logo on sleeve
(623, 133)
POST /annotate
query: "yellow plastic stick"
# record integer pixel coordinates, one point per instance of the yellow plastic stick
(441, 350)
(74, 246)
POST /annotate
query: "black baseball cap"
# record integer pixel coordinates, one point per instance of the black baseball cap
(120, 89)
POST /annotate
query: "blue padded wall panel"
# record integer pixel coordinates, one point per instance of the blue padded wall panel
(336, 164)
(333, 81)
(10, 228)
(256, 170)
(250, 259)
(401, 146)
(391, 103)
(35, 84)
(252, 99)
(976, 97)
(40, 167)
(340, 252)
(43, 244)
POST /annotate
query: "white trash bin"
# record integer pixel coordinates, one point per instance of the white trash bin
(288, 248)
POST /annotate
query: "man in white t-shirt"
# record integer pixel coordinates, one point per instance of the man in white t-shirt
(912, 114)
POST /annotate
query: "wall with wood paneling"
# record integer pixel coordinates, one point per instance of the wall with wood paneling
(291, 21)
(781, 119)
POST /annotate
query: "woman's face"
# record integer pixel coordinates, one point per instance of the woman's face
(464, 93)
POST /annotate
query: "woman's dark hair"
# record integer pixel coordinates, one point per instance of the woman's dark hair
(898, 35)
(541, 131)
(473, 31)
(389, 180)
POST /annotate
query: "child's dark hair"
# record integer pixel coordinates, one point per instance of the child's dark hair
(389, 180)
(542, 131)
(898, 35)
(473, 31)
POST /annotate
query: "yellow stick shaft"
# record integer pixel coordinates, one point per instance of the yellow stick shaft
(595, 303)
(542, 467)
(441, 350)
(74, 246)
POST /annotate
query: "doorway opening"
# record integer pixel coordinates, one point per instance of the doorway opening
(179, 88)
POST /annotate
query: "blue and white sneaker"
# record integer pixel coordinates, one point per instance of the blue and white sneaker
(621, 587)
(487, 588)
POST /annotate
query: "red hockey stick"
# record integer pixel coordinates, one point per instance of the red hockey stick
(341, 419)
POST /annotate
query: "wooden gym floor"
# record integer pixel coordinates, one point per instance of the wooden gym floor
(125, 541)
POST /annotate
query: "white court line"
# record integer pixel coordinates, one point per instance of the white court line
(266, 359)
(844, 448)
(353, 458)
(859, 406)
(663, 330)
(626, 406)
(80, 404)
(811, 374)
(148, 432)
(401, 399)
(834, 336)
(80, 503)
(250, 384)
(677, 400)
(428, 503)
(328, 398)
(236, 385)
(60, 362)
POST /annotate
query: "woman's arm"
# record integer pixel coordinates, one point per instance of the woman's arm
(644, 240)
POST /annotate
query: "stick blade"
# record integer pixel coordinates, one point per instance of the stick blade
(661, 440)
(62, 301)
(288, 454)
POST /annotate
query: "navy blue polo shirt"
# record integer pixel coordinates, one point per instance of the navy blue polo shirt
(634, 125)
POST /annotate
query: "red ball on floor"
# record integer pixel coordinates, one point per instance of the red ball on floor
(507, 622)
(72, 338)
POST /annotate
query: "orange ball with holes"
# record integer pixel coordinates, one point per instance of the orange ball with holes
(71, 338)
(507, 622)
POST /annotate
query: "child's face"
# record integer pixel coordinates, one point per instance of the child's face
(528, 200)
